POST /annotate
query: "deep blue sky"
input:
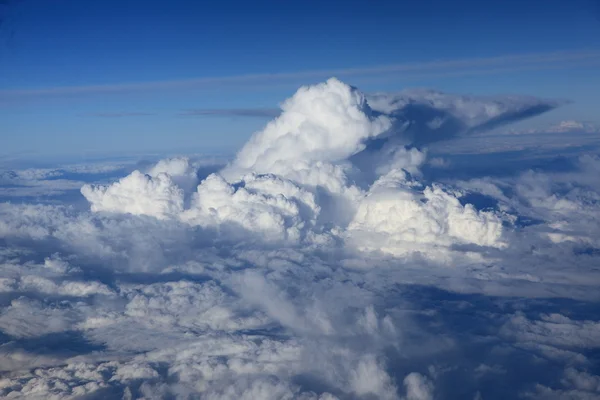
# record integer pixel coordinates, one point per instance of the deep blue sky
(81, 49)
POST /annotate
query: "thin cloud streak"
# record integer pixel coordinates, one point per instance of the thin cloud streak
(463, 67)
(119, 114)
(232, 112)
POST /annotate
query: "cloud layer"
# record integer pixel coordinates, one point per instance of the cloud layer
(322, 262)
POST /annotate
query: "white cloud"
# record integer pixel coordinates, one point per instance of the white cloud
(25, 318)
(322, 263)
(369, 378)
(307, 149)
(172, 167)
(326, 122)
(418, 387)
(37, 173)
(575, 385)
(395, 218)
(95, 168)
(34, 221)
(268, 205)
(569, 126)
(137, 194)
(554, 329)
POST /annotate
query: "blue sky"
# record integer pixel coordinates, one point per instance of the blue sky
(120, 76)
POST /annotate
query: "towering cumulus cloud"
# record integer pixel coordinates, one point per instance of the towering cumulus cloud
(327, 122)
(302, 178)
(337, 256)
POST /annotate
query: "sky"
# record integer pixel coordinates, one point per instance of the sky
(361, 246)
(299, 200)
(81, 78)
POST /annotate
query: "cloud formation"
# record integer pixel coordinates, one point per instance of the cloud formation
(137, 194)
(324, 261)
(274, 185)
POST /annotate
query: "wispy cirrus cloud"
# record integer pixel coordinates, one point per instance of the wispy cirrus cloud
(119, 114)
(456, 67)
(232, 112)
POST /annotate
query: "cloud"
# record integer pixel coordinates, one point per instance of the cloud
(326, 122)
(418, 387)
(51, 184)
(569, 126)
(427, 116)
(276, 208)
(158, 193)
(181, 170)
(555, 329)
(95, 168)
(120, 114)
(137, 194)
(327, 260)
(460, 67)
(269, 188)
(575, 385)
(396, 220)
(232, 112)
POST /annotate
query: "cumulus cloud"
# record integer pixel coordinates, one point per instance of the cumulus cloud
(418, 387)
(325, 122)
(325, 261)
(269, 205)
(303, 160)
(574, 385)
(172, 167)
(137, 194)
(555, 329)
(395, 218)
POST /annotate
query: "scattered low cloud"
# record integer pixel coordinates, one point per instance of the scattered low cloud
(569, 126)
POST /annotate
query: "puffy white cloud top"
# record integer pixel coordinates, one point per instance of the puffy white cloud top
(298, 180)
(326, 122)
(272, 206)
(137, 194)
(399, 220)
